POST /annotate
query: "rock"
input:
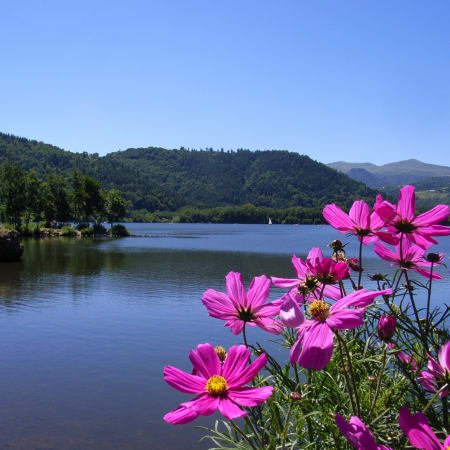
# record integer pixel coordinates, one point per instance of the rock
(10, 247)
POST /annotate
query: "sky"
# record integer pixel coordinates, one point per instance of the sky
(335, 80)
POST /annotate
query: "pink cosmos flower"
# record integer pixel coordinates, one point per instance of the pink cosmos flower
(358, 434)
(419, 432)
(219, 386)
(314, 345)
(358, 221)
(327, 270)
(401, 219)
(239, 307)
(439, 372)
(306, 285)
(410, 257)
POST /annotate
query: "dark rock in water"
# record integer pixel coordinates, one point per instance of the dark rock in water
(10, 247)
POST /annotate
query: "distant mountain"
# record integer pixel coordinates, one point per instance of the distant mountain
(160, 179)
(398, 173)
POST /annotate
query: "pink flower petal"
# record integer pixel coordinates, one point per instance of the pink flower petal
(332, 292)
(268, 324)
(384, 253)
(203, 405)
(426, 273)
(250, 396)
(270, 309)
(236, 325)
(205, 361)
(418, 431)
(258, 292)
(285, 282)
(338, 219)
(230, 410)
(346, 319)
(184, 382)
(376, 222)
(236, 360)
(360, 214)
(300, 267)
(317, 347)
(359, 298)
(235, 289)
(444, 356)
(295, 351)
(435, 215)
(406, 206)
(356, 433)
(243, 377)
(290, 313)
(218, 305)
(181, 416)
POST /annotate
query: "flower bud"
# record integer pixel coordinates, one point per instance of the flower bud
(433, 258)
(372, 378)
(337, 245)
(220, 352)
(295, 396)
(354, 264)
(378, 277)
(386, 328)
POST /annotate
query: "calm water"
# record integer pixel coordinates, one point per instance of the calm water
(87, 326)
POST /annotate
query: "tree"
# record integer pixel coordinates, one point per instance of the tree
(13, 192)
(115, 206)
(58, 202)
(33, 197)
(94, 201)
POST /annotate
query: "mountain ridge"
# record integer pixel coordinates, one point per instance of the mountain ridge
(155, 178)
(397, 173)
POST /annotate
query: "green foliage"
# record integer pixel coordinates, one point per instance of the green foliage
(119, 230)
(87, 232)
(13, 193)
(68, 231)
(157, 179)
(115, 206)
(99, 229)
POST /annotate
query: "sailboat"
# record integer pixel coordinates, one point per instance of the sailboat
(270, 221)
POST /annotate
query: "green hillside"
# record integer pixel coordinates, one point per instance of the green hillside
(160, 179)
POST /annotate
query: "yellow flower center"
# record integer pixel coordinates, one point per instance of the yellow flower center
(319, 310)
(220, 352)
(216, 385)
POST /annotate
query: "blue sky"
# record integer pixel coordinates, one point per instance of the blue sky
(348, 80)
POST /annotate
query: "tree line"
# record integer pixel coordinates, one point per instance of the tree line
(25, 197)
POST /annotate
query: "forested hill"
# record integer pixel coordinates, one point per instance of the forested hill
(160, 179)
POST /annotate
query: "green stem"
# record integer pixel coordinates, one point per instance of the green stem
(352, 375)
(245, 336)
(297, 378)
(243, 435)
(427, 329)
(445, 412)
(258, 437)
(286, 425)
(434, 398)
(347, 382)
(416, 314)
(380, 375)
(360, 262)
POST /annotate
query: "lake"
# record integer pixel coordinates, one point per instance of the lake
(88, 325)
